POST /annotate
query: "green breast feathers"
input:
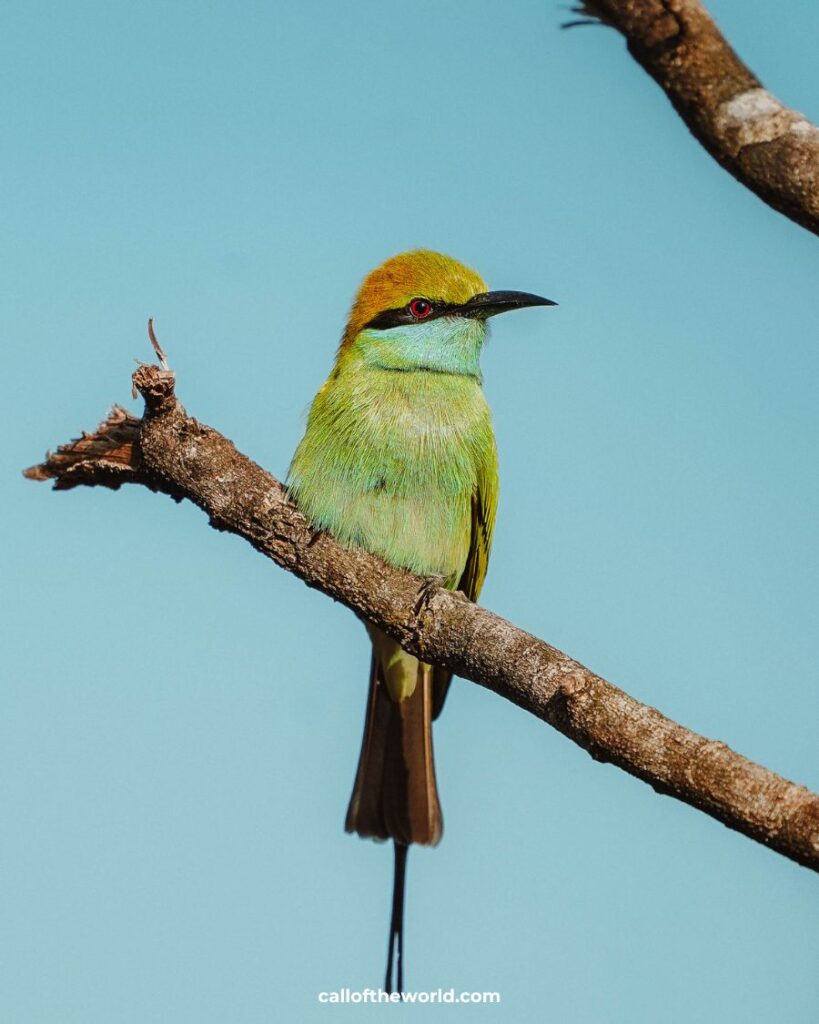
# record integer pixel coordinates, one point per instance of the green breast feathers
(391, 462)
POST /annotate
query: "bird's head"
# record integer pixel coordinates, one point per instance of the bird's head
(422, 310)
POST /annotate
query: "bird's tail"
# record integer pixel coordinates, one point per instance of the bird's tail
(395, 795)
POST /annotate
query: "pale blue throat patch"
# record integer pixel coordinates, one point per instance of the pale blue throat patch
(448, 344)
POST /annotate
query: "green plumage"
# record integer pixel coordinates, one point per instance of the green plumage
(392, 461)
(399, 459)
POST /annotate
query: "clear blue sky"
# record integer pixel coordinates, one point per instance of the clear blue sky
(180, 720)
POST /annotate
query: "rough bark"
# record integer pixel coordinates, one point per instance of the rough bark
(169, 451)
(770, 148)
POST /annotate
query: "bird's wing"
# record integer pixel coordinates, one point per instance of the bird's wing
(484, 506)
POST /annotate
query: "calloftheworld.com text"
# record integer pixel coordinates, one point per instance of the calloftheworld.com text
(378, 995)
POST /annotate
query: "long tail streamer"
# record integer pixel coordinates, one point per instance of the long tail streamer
(395, 948)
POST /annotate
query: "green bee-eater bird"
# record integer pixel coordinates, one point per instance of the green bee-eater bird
(399, 458)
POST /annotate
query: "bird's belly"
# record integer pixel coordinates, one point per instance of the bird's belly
(427, 531)
(392, 468)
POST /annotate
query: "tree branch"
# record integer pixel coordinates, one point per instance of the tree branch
(770, 148)
(168, 451)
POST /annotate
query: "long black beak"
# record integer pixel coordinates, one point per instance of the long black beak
(490, 303)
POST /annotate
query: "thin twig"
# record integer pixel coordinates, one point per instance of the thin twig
(163, 362)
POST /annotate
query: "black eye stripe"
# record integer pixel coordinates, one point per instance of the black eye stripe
(396, 317)
(479, 307)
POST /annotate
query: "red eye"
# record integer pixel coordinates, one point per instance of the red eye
(420, 308)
